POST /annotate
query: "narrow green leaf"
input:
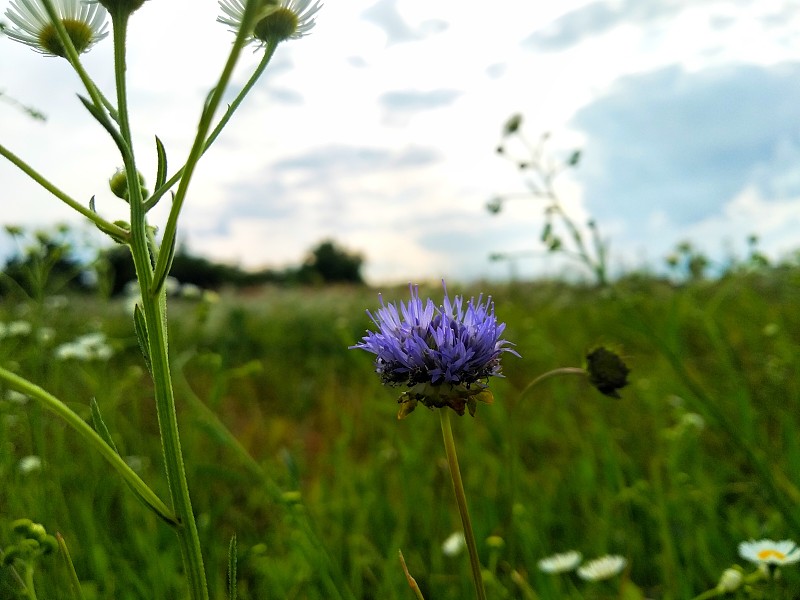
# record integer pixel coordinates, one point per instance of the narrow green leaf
(74, 582)
(91, 205)
(161, 174)
(101, 118)
(140, 325)
(161, 276)
(232, 563)
(100, 426)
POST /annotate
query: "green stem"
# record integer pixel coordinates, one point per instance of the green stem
(30, 591)
(74, 59)
(553, 373)
(101, 223)
(154, 307)
(157, 194)
(461, 500)
(412, 583)
(74, 582)
(163, 263)
(72, 419)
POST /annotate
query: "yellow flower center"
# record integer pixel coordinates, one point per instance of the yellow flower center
(771, 553)
(279, 25)
(78, 31)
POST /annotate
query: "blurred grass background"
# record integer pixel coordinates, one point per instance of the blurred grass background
(337, 485)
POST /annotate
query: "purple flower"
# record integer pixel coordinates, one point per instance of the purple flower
(442, 353)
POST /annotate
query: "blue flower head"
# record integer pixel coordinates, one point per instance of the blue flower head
(444, 354)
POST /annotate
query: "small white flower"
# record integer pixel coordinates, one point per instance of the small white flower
(730, 580)
(19, 328)
(92, 346)
(16, 397)
(454, 544)
(560, 563)
(278, 20)
(85, 24)
(768, 552)
(29, 464)
(601, 568)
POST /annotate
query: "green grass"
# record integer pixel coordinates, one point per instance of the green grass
(561, 468)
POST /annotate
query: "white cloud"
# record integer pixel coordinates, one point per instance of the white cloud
(324, 93)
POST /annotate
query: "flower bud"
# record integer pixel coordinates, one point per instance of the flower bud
(119, 184)
(730, 581)
(606, 371)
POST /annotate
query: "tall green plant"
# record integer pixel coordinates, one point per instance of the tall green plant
(67, 29)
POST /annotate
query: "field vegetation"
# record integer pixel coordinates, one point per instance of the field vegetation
(292, 443)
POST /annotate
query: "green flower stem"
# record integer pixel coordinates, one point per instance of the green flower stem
(164, 261)
(30, 590)
(461, 500)
(553, 373)
(73, 58)
(72, 419)
(101, 223)
(157, 194)
(412, 583)
(74, 582)
(154, 308)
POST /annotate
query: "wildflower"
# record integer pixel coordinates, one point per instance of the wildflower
(29, 464)
(16, 397)
(89, 347)
(560, 563)
(19, 328)
(277, 20)
(454, 544)
(442, 353)
(601, 568)
(770, 553)
(730, 581)
(85, 25)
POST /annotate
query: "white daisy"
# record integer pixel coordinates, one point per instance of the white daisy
(768, 552)
(560, 563)
(278, 20)
(454, 544)
(601, 568)
(85, 24)
(29, 464)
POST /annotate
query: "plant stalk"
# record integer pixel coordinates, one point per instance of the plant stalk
(461, 500)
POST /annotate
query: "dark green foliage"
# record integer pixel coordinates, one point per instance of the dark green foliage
(329, 263)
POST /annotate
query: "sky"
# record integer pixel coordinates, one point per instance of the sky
(379, 130)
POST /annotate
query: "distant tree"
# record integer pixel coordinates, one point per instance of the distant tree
(328, 263)
(47, 261)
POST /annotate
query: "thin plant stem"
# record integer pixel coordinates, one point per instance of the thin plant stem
(30, 591)
(461, 500)
(412, 583)
(102, 224)
(74, 582)
(158, 193)
(553, 373)
(72, 419)
(73, 57)
(163, 263)
(154, 308)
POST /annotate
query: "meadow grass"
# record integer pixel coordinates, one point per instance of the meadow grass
(323, 485)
